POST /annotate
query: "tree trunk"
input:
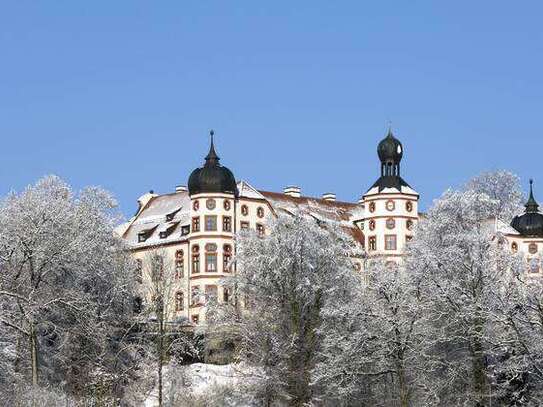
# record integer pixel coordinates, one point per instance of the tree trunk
(160, 350)
(34, 355)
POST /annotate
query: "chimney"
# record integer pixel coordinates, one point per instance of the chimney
(329, 196)
(293, 191)
(180, 188)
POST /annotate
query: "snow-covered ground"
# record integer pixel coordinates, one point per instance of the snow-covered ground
(197, 378)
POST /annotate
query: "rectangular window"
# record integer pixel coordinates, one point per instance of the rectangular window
(196, 263)
(260, 229)
(372, 243)
(196, 224)
(244, 225)
(185, 230)
(226, 224)
(226, 294)
(211, 223)
(211, 262)
(195, 296)
(179, 268)
(226, 257)
(390, 242)
(211, 292)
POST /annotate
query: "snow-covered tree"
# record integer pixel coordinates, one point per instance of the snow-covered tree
(503, 187)
(286, 282)
(65, 286)
(372, 348)
(462, 269)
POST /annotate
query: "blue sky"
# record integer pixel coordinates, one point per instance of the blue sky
(122, 93)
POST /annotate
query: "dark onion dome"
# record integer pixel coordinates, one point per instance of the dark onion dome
(212, 177)
(390, 149)
(529, 224)
(390, 152)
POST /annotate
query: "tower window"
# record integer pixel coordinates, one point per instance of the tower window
(372, 224)
(391, 223)
(372, 207)
(533, 266)
(211, 204)
(196, 224)
(195, 259)
(226, 224)
(244, 225)
(179, 301)
(211, 223)
(390, 242)
(260, 212)
(390, 205)
(409, 206)
(226, 257)
(196, 205)
(211, 292)
(409, 224)
(226, 205)
(532, 248)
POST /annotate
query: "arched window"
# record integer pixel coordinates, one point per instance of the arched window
(372, 224)
(514, 247)
(226, 205)
(372, 207)
(226, 258)
(195, 259)
(195, 205)
(179, 301)
(179, 264)
(260, 229)
(260, 212)
(532, 248)
(409, 206)
(409, 224)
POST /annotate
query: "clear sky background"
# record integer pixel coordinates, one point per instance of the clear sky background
(122, 93)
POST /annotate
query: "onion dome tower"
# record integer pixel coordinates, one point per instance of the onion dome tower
(212, 177)
(390, 152)
(390, 205)
(529, 224)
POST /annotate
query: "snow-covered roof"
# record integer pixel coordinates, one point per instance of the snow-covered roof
(170, 212)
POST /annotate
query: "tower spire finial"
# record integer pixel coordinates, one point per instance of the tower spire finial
(212, 158)
(531, 205)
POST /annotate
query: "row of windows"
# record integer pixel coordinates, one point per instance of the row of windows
(390, 242)
(199, 297)
(390, 224)
(211, 204)
(210, 222)
(390, 205)
(157, 266)
(532, 248)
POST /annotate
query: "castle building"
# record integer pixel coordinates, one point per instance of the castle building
(192, 229)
